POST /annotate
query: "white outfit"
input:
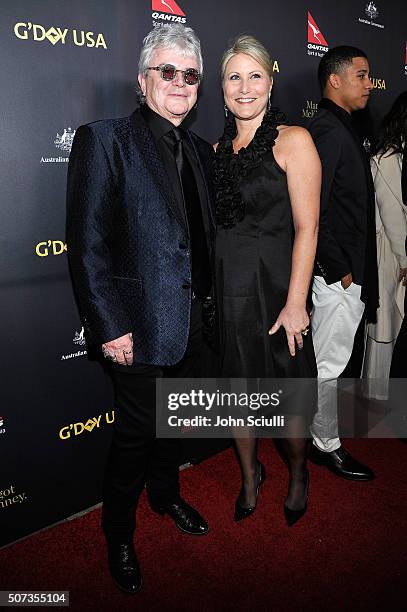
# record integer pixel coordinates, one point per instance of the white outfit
(391, 230)
(336, 316)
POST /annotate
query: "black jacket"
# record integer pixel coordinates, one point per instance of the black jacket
(347, 235)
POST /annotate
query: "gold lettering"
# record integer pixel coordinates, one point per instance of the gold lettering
(38, 33)
(76, 428)
(42, 249)
(64, 433)
(110, 420)
(20, 30)
(58, 247)
(90, 42)
(62, 34)
(100, 42)
(75, 38)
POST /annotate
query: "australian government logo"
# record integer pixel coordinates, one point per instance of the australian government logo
(309, 109)
(79, 341)
(62, 142)
(2, 425)
(371, 14)
(166, 11)
(26, 30)
(317, 44)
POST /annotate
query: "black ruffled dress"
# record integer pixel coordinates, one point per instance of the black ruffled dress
(255, 236)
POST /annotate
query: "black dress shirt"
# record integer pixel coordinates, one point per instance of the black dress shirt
(161, 128)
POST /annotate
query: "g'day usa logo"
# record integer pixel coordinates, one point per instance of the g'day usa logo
(29, 31)
(317, 44)
(166, 11)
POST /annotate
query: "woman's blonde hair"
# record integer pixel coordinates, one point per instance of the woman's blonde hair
(249, 46)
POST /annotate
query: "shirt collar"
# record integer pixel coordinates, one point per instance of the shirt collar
(157, 124)
(328, 104)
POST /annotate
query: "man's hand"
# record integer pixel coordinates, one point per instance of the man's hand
(346, 281)
(120, 350)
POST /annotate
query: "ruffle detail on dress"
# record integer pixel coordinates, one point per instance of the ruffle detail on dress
(230, 168)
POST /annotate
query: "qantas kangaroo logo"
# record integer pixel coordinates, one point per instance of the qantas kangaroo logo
(315, 35)
(167, 6)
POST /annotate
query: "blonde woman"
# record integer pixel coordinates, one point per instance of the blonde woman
(267, 180)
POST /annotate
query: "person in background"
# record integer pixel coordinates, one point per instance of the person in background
(345, 277)
(391, 233)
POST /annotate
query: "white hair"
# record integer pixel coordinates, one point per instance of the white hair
(169, 36)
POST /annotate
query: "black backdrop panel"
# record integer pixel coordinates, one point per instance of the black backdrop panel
(68, 63)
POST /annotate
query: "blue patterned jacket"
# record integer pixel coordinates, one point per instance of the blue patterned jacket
(128, 248)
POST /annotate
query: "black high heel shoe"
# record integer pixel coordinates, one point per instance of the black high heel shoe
(240, 511)
(292, 516)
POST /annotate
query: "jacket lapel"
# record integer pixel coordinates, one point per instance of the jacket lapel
(153, 164)
(208, 198)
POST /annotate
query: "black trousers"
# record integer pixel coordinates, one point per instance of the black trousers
(137, 458)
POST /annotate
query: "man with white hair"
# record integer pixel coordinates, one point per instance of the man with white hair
(140, 229)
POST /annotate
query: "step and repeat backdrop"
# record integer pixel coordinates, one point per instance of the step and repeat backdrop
(65, 63)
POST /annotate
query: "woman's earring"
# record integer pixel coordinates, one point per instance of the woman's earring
(269, 102)
(226, 110)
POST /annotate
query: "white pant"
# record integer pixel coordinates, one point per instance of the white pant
(336, 316)
(376, 368)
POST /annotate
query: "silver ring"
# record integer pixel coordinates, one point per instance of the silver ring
(305, 331)
(128, 352)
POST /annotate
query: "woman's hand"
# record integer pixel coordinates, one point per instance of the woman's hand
(295, 321)
(403, 276)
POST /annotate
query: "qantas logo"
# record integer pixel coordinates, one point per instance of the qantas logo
(167, 6)
(166, 11)
(314, 33)
(317, 44)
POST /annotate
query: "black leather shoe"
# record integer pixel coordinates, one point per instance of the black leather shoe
(186, 518)
(124, 567)
(240, 511)
(341, 463)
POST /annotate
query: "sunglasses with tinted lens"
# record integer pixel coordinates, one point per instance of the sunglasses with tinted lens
(169, 72)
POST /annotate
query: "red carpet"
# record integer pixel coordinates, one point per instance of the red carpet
(348, 551)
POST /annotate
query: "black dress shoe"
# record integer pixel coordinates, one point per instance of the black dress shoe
(242, 512)
(124, 567)
(186, 518)
(341, 463)
(292, 516)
